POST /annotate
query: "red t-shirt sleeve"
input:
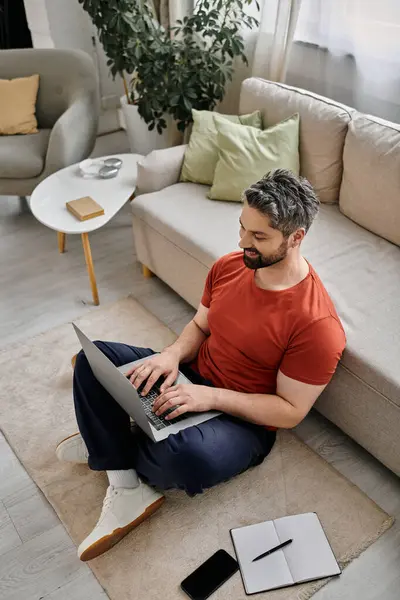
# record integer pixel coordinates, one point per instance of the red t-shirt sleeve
(313, 354)
(208, 286)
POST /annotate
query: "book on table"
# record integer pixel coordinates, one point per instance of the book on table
(307, 558)
(85, 208)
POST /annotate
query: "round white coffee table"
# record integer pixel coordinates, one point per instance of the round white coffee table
(49, 198)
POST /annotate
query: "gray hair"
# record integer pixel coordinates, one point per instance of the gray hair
(287, 199)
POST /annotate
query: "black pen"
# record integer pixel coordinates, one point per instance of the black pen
(272, 550)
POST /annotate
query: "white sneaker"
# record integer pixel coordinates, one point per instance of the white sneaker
(73, 449)
(123, 510)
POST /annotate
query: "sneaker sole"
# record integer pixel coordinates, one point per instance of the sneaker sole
(67, 438)
(64, 440)
(108, 541)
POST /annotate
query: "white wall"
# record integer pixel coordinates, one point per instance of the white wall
(38, 23)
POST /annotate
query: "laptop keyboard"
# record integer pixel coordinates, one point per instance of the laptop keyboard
(159, 422)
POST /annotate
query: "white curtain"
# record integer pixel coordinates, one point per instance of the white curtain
(169, 11)
(267, 48)
(361, 43)
(278, 21)
(345, 49)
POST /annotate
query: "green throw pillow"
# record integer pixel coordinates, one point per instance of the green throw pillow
(246, 154)
(201, 155)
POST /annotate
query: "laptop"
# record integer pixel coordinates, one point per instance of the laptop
(139, 407)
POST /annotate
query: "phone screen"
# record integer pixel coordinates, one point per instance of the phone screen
(210, 575)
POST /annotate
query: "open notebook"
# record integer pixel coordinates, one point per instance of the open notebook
(308, 557)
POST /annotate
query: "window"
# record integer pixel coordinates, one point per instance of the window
(359, 27)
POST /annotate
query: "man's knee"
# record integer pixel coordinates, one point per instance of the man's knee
(82, 363)
(195, 460)
(100, 345)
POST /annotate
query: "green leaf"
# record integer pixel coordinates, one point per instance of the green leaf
(187, 104)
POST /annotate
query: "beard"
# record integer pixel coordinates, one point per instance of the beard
(260, 261)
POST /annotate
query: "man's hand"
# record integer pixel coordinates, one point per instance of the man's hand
(187, 398)
(166, 364)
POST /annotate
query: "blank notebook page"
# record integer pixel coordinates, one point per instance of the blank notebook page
(251, 541)
(309, 556)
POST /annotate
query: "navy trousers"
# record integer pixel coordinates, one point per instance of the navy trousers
(194, 459)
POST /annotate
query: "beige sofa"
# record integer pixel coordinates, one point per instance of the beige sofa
(353, 161)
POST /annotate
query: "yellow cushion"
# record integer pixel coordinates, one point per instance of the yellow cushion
(18, 105)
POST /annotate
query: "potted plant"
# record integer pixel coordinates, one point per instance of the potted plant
(169, 71)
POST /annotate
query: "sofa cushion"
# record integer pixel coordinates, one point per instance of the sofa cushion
(22, 157)
(246, 154)
(359, 270)
(323, 128)
(18, 105)
(202, 152)
(183, 214)
(361, 273)
(370, 192)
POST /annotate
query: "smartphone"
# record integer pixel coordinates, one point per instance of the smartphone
(210, 575)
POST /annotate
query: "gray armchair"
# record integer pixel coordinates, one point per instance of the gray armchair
(67, 112)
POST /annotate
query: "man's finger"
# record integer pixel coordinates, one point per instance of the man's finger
(132, 370)
(169, 381)
(180, 410)
(174, 388)
(138, 381)
(170, 404)
(139, 376)
(151, 381)
(163, 398)
(134, 377)
(162, 401)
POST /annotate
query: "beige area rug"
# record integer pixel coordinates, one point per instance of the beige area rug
(36, 412)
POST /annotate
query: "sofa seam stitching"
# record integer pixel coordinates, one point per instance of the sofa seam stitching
(308, 95)
(371, 120)
(368, 385)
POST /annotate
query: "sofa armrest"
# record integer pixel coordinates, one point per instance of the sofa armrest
(159, 169)
(74, 134)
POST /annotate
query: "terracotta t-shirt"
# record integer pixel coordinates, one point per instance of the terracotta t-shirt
(256, 332)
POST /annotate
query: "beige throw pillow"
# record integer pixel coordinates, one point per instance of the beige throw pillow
(18, 105)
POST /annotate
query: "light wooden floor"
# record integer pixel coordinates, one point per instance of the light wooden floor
(40, 289)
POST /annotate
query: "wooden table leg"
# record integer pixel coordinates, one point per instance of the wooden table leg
(89, 263)
(61, 242)
(146, 272)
